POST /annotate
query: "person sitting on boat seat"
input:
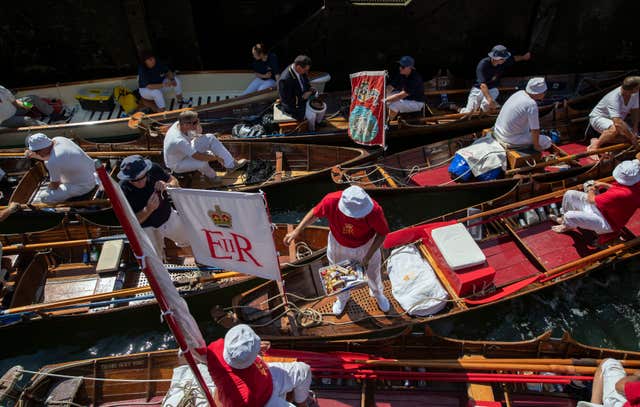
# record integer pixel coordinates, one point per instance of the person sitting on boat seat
(295, 92)
(71, 170)
(14, 112)
(242, 378)
(265, 66)
(155, 78)
(608, 117)
(406, 89)
(607, 212)
(358, 228)
(612, 387)
(484, 93)
(186, 149)
(517, 125)
(144, 185)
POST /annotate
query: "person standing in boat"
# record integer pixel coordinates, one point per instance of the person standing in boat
(14, 112)
(186, 149)
(358, 228)
(607, 212)
(144, 185)
(490, 69)
(71, 170)
(608, 117)
(266, 68)
(612, 387)
(296, 92)
(518, 125)
(406, 89)
(154, 79)
(243, 379)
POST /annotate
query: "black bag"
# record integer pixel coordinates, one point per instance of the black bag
(259, 171)
(242, 130)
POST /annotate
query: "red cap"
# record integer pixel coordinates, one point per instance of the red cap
(632, 394)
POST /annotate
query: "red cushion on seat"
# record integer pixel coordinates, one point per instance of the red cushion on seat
(411, 234)
(472, 281)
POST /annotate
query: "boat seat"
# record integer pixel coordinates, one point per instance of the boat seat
(110, 256)
(64, 392)
(518, 158)
(457, 246)
(287, 123)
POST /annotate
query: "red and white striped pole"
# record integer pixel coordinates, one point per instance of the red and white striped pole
(118, 208)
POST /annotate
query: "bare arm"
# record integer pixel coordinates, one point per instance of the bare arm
(485, 92)
(623, 129)
(622, 382)
(4, 213)
(524, 57)
(535, 139)
(308, 219)
(397, 96)
(152, 205)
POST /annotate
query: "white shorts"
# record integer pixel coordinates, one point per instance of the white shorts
(600, 124)
(65, 192)
(612, 372)
(157, 95)
(406, 106)
(289, 377)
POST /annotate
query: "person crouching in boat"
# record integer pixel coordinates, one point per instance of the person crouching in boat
(144, 185)
(71, 170)
(243, 379)
(295, 93)
(186, 149)
(607, 118)
(607, 212)
(517, 125)
(613, 388)
(357, 230)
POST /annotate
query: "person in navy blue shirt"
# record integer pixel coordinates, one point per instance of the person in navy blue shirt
(154, 78)
(266, 68)
(294, 88)
(490, 69)
(407, 89)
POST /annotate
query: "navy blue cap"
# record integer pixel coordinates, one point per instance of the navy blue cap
(407, 61)
(499, 52)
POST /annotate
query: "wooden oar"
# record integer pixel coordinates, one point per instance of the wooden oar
(615, 147)
(65, 243)
(72, 204)
(463, 365)
(550, 361)
(114, 294)
(464, 91)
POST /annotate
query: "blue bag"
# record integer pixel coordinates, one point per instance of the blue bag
(459, 169)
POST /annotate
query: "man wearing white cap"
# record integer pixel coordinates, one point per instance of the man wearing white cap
(186, 149)
(607, 118)
(71, 171)
(517, 125)
(242, 378)
(357, 230)
(490, 69)
(607, 212)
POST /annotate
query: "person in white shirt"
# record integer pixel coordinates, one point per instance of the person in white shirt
(186, 149)
(71, 170)
(517, 125)
(607, 118)
(612, 387)
(13, 112)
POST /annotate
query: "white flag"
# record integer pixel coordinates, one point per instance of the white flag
(230, 230)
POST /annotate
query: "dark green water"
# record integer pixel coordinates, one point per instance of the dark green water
(600, 310)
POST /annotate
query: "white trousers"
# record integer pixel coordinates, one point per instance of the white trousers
(522, 140)
(406, 106)
(157, 95)
(579, 212)
(259, 84)
(203, 144)
(173, 229)
(337, 253)
(64, 192)
(314, 116)
(612, 372)
(289, 377)
(477, 101)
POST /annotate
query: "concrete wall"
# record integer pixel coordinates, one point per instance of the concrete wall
(49, 41)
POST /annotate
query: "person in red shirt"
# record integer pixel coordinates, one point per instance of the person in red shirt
(357, 230)
(607, 212)
(243, 379)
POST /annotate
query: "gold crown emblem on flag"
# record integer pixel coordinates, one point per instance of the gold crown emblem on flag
(220, 218)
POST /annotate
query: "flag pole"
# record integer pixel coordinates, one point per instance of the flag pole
(153, 283)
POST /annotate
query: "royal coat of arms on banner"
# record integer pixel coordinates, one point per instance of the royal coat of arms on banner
(367, 111)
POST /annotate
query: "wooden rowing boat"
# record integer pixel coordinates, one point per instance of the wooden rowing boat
(99, 279)
(273, 168)
(426, 370)
(518, 254)
(204, 90)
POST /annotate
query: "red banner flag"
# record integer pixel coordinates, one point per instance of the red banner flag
(367, 113)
